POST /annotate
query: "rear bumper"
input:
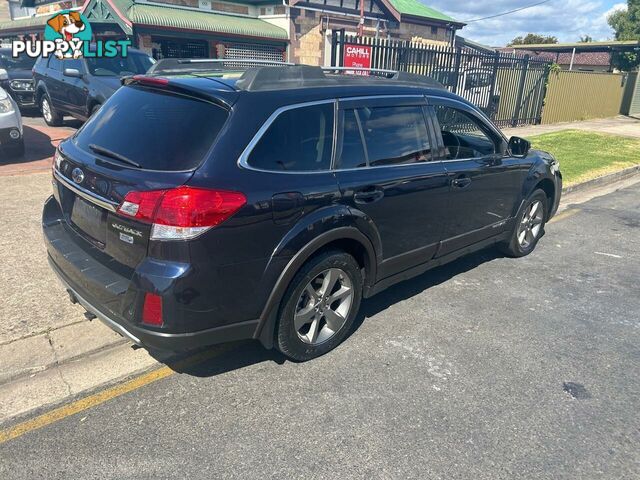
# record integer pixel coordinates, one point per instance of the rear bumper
(115, 297)
(158, 340)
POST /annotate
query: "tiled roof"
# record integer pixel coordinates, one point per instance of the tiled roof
(602, 59)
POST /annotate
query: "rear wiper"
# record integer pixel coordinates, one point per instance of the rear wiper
(108, 153)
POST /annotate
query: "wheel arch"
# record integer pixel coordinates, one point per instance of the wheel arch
(348, 239)
(41, 89)
(547, 186)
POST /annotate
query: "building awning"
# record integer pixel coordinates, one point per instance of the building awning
(167, 17)
(611, 46)
(129, 14)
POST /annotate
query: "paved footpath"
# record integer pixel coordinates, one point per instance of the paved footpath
(623, 126)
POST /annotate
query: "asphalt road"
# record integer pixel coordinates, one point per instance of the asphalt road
(488, 368)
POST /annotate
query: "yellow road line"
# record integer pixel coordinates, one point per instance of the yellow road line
(570, 212)
(91, 401)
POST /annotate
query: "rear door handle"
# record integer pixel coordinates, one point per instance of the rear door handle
(368, 195)
(461, 182)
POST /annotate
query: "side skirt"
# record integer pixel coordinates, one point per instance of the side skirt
(420, 269)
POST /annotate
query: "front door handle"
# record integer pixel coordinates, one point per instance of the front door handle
(461, 182)
(368, 195)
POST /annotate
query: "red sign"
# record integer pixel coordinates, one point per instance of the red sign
(358, 56)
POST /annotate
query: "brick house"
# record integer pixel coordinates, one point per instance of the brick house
(293, 30)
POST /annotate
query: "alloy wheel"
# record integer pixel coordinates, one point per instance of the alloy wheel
(46, 110)
(323, 306)
(531, 225)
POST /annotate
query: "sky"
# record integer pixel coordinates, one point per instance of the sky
(565, 19)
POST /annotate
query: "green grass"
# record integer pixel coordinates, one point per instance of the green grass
(586, 155)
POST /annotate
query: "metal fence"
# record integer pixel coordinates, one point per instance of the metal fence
(509, 88)
(575, 96)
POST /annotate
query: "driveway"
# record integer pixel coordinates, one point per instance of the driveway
(40, 142)
(487, 368)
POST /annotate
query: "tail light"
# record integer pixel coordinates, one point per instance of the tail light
(181, 213)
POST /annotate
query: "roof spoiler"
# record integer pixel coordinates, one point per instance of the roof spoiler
(173, 85)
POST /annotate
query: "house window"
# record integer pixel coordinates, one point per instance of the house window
(434, 30)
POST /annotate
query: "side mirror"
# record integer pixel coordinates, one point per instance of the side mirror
(72, 72)
(3, 74)
(519, 146)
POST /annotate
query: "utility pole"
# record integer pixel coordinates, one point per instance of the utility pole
(361, 24)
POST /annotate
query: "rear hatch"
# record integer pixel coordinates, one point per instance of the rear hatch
(143, 138)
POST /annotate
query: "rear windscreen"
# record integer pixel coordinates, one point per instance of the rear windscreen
(158, 130)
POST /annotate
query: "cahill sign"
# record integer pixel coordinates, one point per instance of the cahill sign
(68, 35)
(357, 56)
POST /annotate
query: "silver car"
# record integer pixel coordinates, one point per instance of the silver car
(11, 139)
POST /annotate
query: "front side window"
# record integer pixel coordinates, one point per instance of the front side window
(298, 140)
(395, 135)
(55, 63)
(74, 63)
(23, 62)
(463, 135)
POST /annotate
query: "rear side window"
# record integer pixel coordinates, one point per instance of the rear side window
(300, 139)
(395, 135)
(159, 130)
(353, 154)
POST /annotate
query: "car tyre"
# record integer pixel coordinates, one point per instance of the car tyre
(319, 307)
(51, 117)
(529, 227)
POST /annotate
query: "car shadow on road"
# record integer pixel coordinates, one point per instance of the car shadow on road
(228, 357)
(419, 284)
(69, 122)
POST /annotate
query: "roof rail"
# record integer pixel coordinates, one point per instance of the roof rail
(358, 69)
(427, 81)
(405, 77)
(294, 76)
(234, 60)
(186, 65)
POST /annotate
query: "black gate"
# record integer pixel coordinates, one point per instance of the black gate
(509, 88)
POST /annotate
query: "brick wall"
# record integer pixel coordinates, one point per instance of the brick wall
(307, 41)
